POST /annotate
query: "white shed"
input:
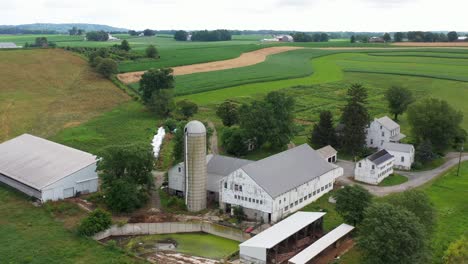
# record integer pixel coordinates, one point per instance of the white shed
(46, 170)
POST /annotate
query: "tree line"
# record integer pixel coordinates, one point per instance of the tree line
(204, 35)
(304, 37)
(412, 36)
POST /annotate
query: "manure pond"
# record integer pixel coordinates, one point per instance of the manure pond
(194, 244)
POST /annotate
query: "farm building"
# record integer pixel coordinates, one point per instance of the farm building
(403, 153)
(279, 185)
(8, 45)
(328, 153)
(46, 170)
(463, 38)
(283, 240)
(329, 243)
(217, 167)
(383, 130)
(376, 40)
(374, 168)
(285, 38)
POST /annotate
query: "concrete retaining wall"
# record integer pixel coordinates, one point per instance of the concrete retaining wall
(171, 228)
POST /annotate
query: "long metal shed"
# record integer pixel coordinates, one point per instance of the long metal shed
(46, 170)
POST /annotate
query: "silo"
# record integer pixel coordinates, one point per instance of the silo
(195, 166)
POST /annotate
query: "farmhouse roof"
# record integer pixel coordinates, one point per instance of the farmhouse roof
(327, 151)
(388, 123)
(38, 162)
(282, 230)
(320, 245)
(284, 171)
(380, 157)
(399, 147)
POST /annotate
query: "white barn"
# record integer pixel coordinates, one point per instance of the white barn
(383, 130)
(374, 168)
(403, 153)
(46, 170)
(279, 185)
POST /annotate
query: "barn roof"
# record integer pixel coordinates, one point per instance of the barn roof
(218, 167)
(38, 162)
(389, 146)
(282, 230)
(287, 170)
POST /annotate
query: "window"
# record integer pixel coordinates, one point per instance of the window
(383, 134)
(372, 141)
(236, 187)
(296, 203)
(321, 189)
(380, 127)
(180, 169)
(360, 165)
(305, 197)
(318, 190)
(235, 196)
(285, 199)
(373, 167)
(381, 142)
(279, 201)
(286, 208)
(313, 193)
(261, 202)
(240, 188)
(291, 205)
(310, 195)
(402, 159)
(225, 185)
(257, 201)
(250, 200)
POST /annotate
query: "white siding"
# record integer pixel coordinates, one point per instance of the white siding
(84, 180)
(366, 171)
(177, 178)
(403, 160)
(252, 255)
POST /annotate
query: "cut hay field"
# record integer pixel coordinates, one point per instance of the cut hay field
(30, 234)
(45, 91)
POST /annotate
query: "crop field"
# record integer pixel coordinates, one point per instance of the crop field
(45, 91)
(30, 234)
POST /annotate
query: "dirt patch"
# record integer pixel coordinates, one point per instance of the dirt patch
(72, 124)
(431, 44)
(245, 59)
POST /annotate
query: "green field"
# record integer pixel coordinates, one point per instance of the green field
(394, 179)
(30, 235)
(43, 91)
(196, 244)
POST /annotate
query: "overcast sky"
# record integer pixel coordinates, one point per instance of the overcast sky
(305, 15)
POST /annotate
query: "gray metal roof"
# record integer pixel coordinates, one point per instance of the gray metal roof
(327, 151)
(389, 146)
(380, 156)
(320, 245)
(38, 162)
(398, 137)
(388, 123)
(287, 170)
(8, 45)
(218, 167)
(195, 127)
(282, 230)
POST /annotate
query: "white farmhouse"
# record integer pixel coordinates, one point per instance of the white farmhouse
(46, 170)
(403, 153)
(383, 130)
(279, 185)
(374, 168)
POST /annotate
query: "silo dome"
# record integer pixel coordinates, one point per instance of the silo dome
(195, 127)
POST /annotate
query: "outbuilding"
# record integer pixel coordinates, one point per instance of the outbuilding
(328, 153)
(403, 153)
(46, 170)
(374, 168)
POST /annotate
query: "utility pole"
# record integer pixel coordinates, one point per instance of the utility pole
(459, 159)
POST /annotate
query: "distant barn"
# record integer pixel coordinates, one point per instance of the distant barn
(8, 45)
(46, 170)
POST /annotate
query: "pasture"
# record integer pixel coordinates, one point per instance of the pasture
(43, 91)
(31, 235)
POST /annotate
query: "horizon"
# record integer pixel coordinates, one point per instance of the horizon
(279, 15)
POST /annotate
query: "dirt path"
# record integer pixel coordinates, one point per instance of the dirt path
(245, 59)
(213, 139)
(415, 179)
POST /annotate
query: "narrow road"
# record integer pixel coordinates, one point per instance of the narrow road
(415, 179)
(213, 139)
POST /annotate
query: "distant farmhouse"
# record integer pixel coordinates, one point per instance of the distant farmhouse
(8, 45)
(375, 167)
(463, 38)
(403, 153)
(46, 170)
(376, 40)
(267, 190)
(280, 38)
(383, 130)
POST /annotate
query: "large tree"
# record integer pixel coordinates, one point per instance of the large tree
(151, 51)
(234, 141)
(187, 108)
(154, 80)
(399, 99)
(390, 235)
(323, 132)
(398, 36)
(107, 67)
(387, 37)
(149, 32)
(180, 35)
(162, 102)
(457, 252)
(124, 45)
(452, 36)
(270, 120)
(355, 119)
(419, 204)
(228, 112)
(435, 120)
(351, 202)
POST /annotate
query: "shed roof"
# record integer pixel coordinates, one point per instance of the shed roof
(284, 171)
(380, 157)
(320, 245)
(389, 146)
(38, 162)
(327, 151)
(282, 230)
(388, 123)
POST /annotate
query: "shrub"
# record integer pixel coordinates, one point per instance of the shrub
(107, 67)
(170, 124)
(95, 222)
(151, 51)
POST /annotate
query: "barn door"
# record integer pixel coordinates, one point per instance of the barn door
(69, 192)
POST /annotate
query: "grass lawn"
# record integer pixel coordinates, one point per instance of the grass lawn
(197, 244)
(43, 91)
(394, 179)
(30, 235)
(331, 219)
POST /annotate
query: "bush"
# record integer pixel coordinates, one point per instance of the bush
(107, 67)
(151, 51)
(170, 124)
(95, 222)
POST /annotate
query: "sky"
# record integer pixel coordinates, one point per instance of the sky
(300, 15)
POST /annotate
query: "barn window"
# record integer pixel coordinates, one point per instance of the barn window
(240, 188)
(236, 187)
(180, 169)
(279, 201)
(225, 185)
(300, 200)
(250, 200)
(383, 134)
(310, 195)
(321, 189)
(261, 202)
(313, 193)
(402, 158)
(286, 208)
(291, 205)
(305, 197)
(373, 166)
(296, 203)
(371, 141)
(360, 165)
